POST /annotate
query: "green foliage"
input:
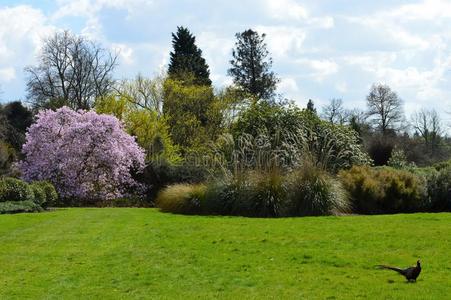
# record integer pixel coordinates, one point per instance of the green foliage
(311, 106)
(298, 135)
(439, 188)
(383, 190)
(40, 196)
(398, 159)
(182, 198)
(160, 174)
(380, 148)
(12, 207)
(442, 165)
(186, 58)
(193, 114)
(150, 130)
(313, 192)
(51, 196)
(12, 189)
(15, 119)
(7, 156)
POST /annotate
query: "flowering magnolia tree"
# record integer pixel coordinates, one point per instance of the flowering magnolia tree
(84, 154)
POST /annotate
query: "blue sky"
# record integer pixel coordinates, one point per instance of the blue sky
(321, 49)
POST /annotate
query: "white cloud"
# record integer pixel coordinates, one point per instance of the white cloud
(7, 74)
(125, 53)
(285, 9)
(320, 68)
(429, 10)
(341, 86)
(89, 8)
(288, 85)
(291, 10)
(283, 41)
(23, 28)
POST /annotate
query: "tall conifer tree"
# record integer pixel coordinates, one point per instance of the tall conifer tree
(186, 58)
(251, 65)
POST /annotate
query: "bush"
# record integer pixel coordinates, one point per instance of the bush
(384, 190)
(182, 198)
(40, 197)
(10, 207)
(158, 175)
(398, 159)
(439, 189)
(313, 192)
(12, 189)
(380, 149)
(51, 195)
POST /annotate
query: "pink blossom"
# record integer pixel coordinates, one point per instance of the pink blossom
(84, 154)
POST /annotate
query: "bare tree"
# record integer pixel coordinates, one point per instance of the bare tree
(144, 92)
(72, 71)
(334, 112)
(384, 106)
(428, 125)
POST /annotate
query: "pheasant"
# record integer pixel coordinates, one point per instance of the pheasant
(410, 274)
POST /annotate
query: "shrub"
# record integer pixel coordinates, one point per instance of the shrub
(10, 207)
(383, 190)
(442, 165)
(51, 195)
(398, 159)
(39, 194)
(380, 149)
(12, 189)
(7, 157)
(313, 192)
(439, 189)
(158, 175)
(182, 198)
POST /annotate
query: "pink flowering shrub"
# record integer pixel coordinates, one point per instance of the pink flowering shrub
(84, 154)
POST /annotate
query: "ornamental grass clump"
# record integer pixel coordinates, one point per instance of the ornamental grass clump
(313, 192)
(182, 198)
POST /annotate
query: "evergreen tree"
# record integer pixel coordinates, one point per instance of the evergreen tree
(311, 106)
(251, 65)
(186, 58)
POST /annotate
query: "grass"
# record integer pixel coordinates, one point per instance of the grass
(131, 253)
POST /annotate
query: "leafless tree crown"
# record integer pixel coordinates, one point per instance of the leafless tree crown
(334, 112)
(144, 92)
(72, 71)
(429, 127)
(384, 106)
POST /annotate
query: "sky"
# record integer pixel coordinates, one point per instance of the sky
(321, 49)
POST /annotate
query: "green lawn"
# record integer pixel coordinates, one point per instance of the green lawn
(142, 253)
